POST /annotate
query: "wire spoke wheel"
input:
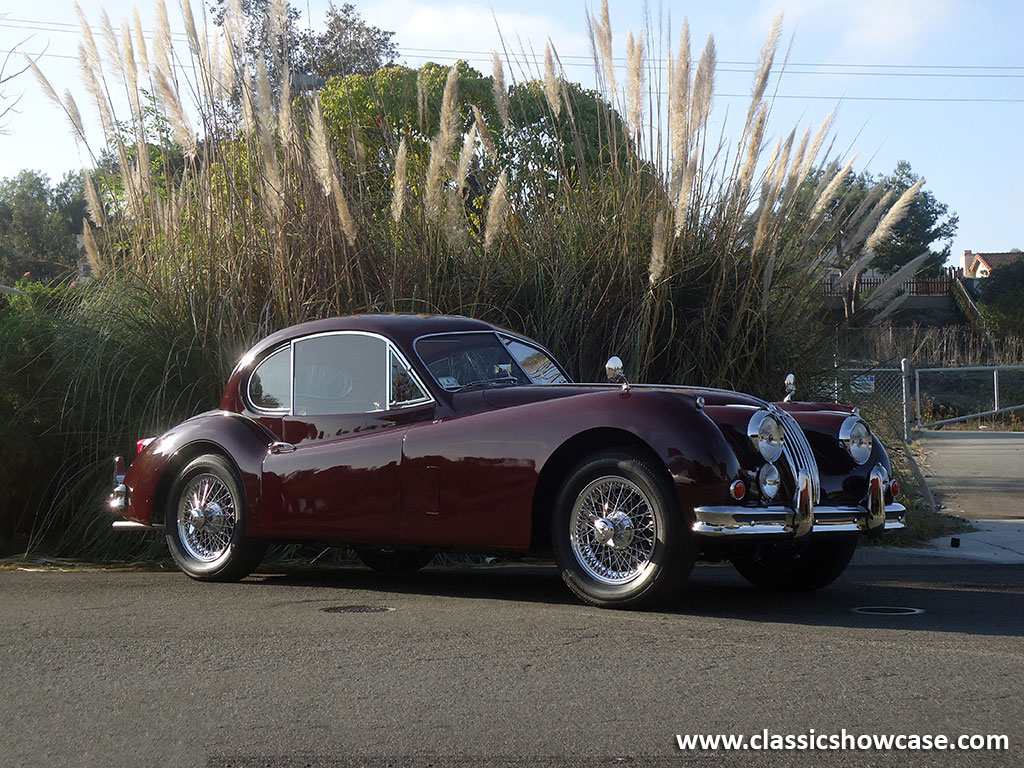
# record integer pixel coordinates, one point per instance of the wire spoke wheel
(206, 517)
(613, 530)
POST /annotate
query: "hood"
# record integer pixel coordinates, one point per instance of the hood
(501, 397)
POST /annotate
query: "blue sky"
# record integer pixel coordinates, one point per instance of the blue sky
(939, 83)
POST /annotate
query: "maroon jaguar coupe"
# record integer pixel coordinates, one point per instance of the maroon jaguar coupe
(405, 435)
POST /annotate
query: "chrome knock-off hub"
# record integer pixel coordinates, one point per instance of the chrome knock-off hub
(614, 530)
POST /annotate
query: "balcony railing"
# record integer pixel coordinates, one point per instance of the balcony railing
(930, 286)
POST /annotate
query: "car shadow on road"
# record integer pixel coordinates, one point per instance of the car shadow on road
(969, 599)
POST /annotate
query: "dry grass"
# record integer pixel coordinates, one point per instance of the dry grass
(692, 258)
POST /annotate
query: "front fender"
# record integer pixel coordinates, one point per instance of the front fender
(239, 438)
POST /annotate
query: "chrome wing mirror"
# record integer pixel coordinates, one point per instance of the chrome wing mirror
(613, 370)
(790, 387)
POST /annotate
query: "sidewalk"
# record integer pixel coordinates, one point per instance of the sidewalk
(978, 476)
(995, 541)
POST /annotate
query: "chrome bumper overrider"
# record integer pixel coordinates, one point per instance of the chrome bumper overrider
(779, 520)
(131, 525)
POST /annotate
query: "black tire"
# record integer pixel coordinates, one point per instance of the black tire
(648, 533)
(799, 566)
(205, 522)
(394, 560)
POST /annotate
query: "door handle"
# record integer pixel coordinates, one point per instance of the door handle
(281, 447)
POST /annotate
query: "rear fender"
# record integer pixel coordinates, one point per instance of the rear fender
(240, 439)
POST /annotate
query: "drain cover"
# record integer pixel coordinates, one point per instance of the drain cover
(888, 610)
(356, 609)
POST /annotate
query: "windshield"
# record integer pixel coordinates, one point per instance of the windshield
(462, 360)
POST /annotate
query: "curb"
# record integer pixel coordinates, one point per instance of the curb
(926, 492)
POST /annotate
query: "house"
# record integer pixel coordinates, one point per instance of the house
(982, 264)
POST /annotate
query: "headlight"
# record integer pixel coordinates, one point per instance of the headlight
(856, 438)
(766, 434)
(768, 479)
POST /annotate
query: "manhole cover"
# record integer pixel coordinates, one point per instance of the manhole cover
(356, 609)
(888, 610)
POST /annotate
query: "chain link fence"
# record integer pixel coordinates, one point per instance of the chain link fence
(877, 392)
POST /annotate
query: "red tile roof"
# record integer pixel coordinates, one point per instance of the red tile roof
(993, 260)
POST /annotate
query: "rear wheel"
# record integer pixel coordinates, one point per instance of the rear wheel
(205, 523)
(618, 535)
(800, 566)
(394, 560)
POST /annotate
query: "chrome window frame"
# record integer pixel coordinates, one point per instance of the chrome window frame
(415, 348)
(390, 348)
(247, 395)
(534, 345)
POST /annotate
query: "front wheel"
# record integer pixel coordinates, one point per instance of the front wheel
(618, 535)
(205, 522)
(801, 566)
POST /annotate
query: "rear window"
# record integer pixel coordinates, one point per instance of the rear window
(270, 386)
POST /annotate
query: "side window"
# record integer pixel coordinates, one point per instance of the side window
(270, 386)
(404, 389)
(338, 374)
(538, 366)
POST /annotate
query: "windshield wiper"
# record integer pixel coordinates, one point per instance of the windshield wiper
(496, 380)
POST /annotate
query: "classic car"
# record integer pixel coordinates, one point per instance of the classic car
(405, 435)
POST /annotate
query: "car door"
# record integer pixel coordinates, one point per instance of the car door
(336, 474)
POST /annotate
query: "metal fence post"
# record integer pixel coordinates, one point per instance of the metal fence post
(905, 368)
(995, 389)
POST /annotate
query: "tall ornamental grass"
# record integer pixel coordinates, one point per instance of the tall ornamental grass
(618, 221)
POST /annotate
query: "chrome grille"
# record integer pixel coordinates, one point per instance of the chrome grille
(798, 451)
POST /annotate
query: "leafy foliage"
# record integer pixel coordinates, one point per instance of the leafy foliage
(38, 225)
(534, 207)
(1002, 300)
(346, 46)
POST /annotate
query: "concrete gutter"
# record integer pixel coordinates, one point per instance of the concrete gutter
(995, 541)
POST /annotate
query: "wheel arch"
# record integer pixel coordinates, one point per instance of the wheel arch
(173, 468)
(239, 440)
(567, 456)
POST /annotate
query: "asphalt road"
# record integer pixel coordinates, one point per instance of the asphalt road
(976, 475)
(496, 667)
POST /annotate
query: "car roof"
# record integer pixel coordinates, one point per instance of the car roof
(402, 329)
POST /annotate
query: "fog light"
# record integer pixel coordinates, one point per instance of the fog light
(768, 478)
(738, 489)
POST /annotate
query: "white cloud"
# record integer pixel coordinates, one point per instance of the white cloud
(864, 28)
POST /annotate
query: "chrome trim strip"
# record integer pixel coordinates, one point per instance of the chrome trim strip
(778, 520)
(798, 451)
(131, 525)
(389, 348)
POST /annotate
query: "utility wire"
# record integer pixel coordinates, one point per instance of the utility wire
(74, 28)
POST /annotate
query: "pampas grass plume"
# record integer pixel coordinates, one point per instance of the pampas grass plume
(500, 91)
(496, 210)
(551, 83)
(398, 196)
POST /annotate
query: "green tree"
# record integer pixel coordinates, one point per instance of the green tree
(38, 225)
(347, 45)
(928, 226)
(1002, 300)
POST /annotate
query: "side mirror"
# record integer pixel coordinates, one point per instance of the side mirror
(613, 370)
(790, 387)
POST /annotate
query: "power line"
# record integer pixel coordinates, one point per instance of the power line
(74, 28)
(791, 96)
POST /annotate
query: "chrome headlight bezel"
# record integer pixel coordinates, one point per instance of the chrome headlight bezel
(765, 432)
(769, 481)
(856, 438)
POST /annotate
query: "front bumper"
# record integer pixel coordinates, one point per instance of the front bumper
(780, 521)
(872, 517)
